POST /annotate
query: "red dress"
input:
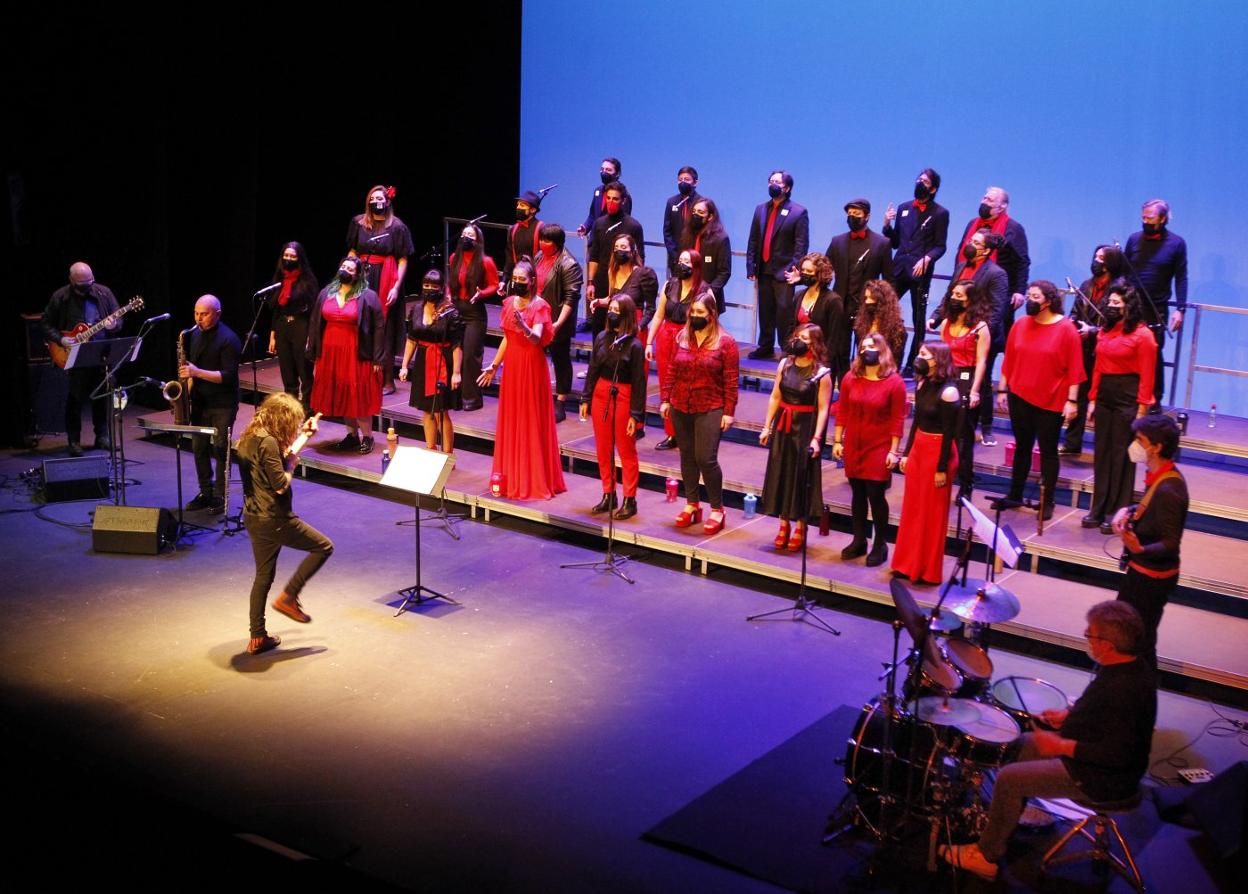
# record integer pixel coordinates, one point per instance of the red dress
(871, 413)
(526, 447)
(342, 384)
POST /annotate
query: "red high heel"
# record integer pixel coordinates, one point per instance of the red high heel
(798, 538)
(712, 526)
(687, 517)
(782, 539)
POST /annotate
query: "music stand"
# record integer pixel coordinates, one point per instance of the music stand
(184, 527)
(103, 352)
(418, 471)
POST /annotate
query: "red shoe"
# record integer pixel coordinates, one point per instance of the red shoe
(782, 539)
(289, 606)
(260, 644)
(688, 517)
(798, 538)
(712, 526)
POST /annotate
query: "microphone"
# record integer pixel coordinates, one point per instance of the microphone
(823, 371)
(477, 220)
(614, 225)
(450, 310)
(267, 289)
(158, 319)
(547, 189)
(616, 343)
(681, 202)
(861, 256)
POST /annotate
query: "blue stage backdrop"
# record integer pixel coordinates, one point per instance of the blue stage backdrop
(1081, 111)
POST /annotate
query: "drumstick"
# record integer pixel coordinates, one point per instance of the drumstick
(1022, 702)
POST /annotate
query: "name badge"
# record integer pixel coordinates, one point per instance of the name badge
(964, 375)
(707, 260)
(906, 213)
(675, 207)
(784, 213)
(597, 193)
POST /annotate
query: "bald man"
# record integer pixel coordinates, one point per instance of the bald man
(212, 352)
(83, 300)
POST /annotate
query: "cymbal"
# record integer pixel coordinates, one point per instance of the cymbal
(983, 602)
(941, 711)
(948, 622)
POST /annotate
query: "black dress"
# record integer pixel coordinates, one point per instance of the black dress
(394, 241)
(787, 449)
(431, 368)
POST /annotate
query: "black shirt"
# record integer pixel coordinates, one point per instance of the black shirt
(1160, 526)
(218, 350)
(934, 416)
(266, 491)
(1112, 725)
(632, 359)
(602, 242)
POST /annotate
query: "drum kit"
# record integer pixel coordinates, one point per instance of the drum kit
(926, 756)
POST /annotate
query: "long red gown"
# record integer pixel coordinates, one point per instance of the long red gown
(343, 384)
(526, 447)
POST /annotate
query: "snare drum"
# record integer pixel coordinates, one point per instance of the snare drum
(973, 663)
(1025, 698)
(988, 740)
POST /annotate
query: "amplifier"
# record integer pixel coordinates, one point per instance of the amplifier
(75, 478)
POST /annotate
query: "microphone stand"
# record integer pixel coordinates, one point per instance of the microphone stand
(610, 563)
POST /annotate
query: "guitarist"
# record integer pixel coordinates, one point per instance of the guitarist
(82, 301)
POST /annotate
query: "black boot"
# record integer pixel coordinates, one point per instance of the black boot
(628, 509)
(560, 413)
(858, 546)
(879, 547)
(606, 504)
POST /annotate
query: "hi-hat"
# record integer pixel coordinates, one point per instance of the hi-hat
(983, 602)
(943, 711)
(948, 622)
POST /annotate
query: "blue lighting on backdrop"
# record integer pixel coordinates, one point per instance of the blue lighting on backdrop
(1081, 111)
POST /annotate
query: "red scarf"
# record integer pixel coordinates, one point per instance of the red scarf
(995, 224)
(1166, 466)
(288, 282)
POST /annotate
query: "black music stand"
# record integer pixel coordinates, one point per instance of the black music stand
(112, 354)
(418, 471)
(184, 528)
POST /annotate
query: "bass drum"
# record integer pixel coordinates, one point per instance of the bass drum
(918, 757)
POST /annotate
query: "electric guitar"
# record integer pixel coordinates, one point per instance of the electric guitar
(82, 333)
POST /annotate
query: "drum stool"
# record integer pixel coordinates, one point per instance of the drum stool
(1101, 852)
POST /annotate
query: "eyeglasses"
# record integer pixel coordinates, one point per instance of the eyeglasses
(1090, 635)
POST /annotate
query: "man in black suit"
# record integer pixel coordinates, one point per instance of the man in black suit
(857, 257)
(609, 172)
(678, 212)
(779, 237)
(919, 233)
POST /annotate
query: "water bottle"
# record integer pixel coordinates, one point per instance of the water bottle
(392, 441)
(385, 461)
(751, 502)
(1213, 415)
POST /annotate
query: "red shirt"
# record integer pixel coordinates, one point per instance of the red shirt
(963, 347)
(703, 378)
(460, 290)
(1119, 353)
(1043, 361)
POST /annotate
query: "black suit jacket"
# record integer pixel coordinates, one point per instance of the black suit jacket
(674, 227)
(595, 206)
(716, 251)
(789, 241)
(847, 254)
(994, 280)
(829, 315)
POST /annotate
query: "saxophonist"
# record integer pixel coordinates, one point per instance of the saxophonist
(210, 370)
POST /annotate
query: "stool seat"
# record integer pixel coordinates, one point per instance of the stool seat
(1122, 805)
(1103, 835)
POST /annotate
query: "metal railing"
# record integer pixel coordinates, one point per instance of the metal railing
(1193, 365)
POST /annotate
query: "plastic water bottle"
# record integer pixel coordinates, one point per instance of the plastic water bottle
(385, 461)
(1213, 415)
(751, 503)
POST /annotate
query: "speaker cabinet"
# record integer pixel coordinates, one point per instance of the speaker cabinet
(75, 478)
(131, 529)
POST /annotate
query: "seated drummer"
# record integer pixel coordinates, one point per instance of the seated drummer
(1098, 750)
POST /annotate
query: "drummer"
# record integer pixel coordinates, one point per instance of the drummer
(1098, 749)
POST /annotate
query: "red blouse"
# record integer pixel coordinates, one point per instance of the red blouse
(459, 288)
(963, 347)
(1043, 361)
(1119, 353)
(703, 378)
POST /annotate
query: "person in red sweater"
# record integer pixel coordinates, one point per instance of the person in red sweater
(1122, 390)
(701, 397)
(1040, 386)
(870, 417)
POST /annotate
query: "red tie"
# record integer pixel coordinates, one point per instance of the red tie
(861, 234)
(771, 219)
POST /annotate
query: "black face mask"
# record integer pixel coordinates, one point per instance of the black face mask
(519, 288)
(623, 257)
(697, 324)
(871, 358)
(1112, 314)
(808, 279)
(856, 224)
(956, 307)
(697, 222)
(606, 178)
(985, 210)
(290, 264)
(1097, 268)
(922, 367)
(970, 252)
(684, 188)
(613, 319)
(683, 271)
(521, 215)
(346, 276)
(467, 243)
(1153, 229)
(81, 290)
(430, 294)
(774, 191)
(921, 192)
(1034, 307)
(378, 207)
(868, 309)
(797, 347)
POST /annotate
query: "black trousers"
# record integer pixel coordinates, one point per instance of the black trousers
(206, 449)
(1032, 424)
(919, 290)
(81, 383)
(1159, 379)
(1078, 426)
(290, 337)
(561, 353)
(268, 536)
(1149, 596)
(984, 416)
(1113, 473)
(393, 336)
(776, 312)
(964, 378)
(697, 438)
(474, 353)
(869, 494)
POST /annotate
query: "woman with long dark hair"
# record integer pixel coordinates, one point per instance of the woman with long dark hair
(816, 303)
(701, 397)
(619, 356)
(473, 279)
(797, 417)
(346, 341)
(965, 327)
(1107, 266)
(433, 360)
(871, 415)
(291, 308)
(880, 314)
(1122, 391)
(929, 462)
(708, 239)
(526, 446)
(383, 243)
(668, 321)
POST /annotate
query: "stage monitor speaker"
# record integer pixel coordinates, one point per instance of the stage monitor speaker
(1221, 808)
(75, 478)
(131, 529)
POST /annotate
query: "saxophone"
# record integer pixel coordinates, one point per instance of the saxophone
(178, 391)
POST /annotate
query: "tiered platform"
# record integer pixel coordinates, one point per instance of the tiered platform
(1066, 568)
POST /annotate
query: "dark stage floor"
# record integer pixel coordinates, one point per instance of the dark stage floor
(521, 742)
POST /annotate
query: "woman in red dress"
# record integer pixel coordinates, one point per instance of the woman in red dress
(346, 342)
(929, 462)
(870, 417)
(526, 447)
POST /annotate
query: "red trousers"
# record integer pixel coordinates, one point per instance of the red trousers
(664, 351)
(624, 442)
